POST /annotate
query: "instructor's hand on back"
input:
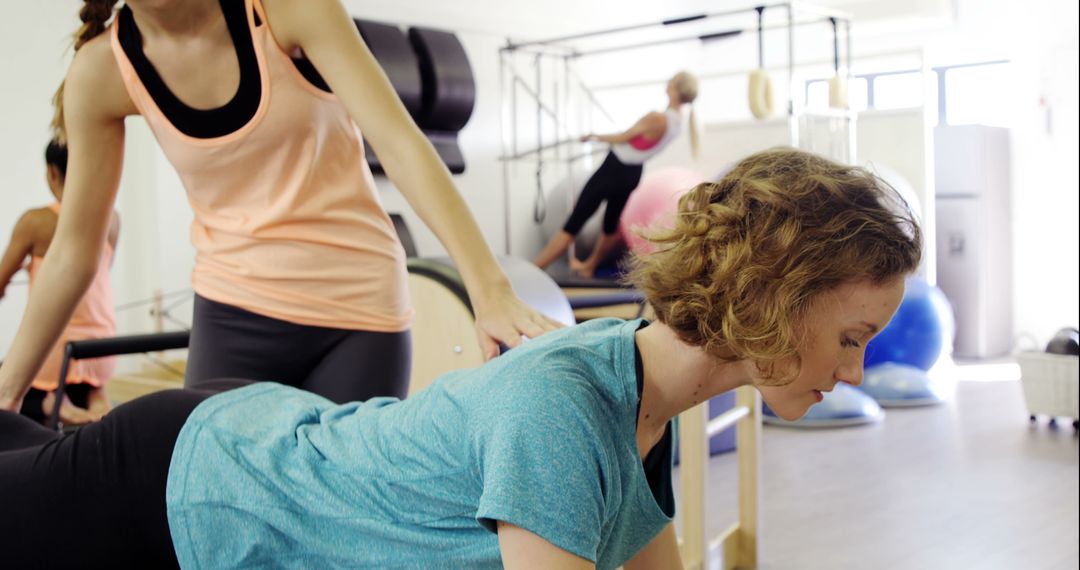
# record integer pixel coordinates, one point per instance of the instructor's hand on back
(503, 318)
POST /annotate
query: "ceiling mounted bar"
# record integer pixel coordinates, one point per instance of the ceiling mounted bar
(701, 37)
(576, 157)
(669, 22)
(684, 19)
(940, 68)
(551, 50)
(704, 38)
(804, 8)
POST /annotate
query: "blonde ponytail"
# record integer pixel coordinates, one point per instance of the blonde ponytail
(95, 16)
(695, 135)
(686, 86)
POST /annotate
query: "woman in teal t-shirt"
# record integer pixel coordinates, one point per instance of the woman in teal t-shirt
(556, 454)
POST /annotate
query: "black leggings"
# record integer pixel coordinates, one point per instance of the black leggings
(613, 181)
(340, 365)
(95, 497)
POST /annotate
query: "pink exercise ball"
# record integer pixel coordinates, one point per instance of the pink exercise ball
(653, 204)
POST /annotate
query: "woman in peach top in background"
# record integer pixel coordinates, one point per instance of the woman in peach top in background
(94, 317)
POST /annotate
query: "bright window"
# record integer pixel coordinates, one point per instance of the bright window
(981, 94)
(898, 91)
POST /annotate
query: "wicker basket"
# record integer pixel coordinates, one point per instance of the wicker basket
(1051, 384)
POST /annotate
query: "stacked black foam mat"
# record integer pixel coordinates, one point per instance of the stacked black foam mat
(431, 74)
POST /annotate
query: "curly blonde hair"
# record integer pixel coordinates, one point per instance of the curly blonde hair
(749, 255)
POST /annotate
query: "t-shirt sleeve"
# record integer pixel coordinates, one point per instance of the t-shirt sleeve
(542, 467)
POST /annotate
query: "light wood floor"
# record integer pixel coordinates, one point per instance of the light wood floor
(966, 485)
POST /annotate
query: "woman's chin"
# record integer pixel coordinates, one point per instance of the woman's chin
(791, 412)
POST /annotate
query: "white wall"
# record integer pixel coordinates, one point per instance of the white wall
(1046, 184)
(33, 39)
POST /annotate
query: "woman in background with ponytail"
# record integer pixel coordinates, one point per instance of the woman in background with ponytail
(299, 275)
(620, 173)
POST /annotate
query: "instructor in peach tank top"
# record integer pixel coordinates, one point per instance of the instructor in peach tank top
(299, 277)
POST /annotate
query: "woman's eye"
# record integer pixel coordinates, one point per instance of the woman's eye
(850, 342)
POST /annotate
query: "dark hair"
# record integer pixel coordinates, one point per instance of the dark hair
(56, 155)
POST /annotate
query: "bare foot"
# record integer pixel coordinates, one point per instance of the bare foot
(581, 268)
(70, 414)
(97, 403)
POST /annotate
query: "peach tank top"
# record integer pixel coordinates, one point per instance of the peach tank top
(288, 223)
(94, 317)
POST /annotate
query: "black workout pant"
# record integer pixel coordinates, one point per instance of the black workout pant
(613, 181)
(340, 365)
(95, 497)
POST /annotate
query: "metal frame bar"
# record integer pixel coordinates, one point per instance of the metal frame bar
(590, 93)
(518, 82)
(99, 347)
(503, 151)
(553, 42)
(703, 38)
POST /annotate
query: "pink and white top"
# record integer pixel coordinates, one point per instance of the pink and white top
(640, 149)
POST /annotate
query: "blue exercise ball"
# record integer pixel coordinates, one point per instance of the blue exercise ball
(899, 385)
(918, 332)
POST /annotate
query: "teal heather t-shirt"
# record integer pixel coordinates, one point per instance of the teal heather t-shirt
(542, 437)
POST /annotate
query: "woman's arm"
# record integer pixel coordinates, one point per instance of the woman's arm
(651, 125)
(114, 235)
(325, 33)
(20, 246)
(523, 550)
(95, 104)
(662, 552)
